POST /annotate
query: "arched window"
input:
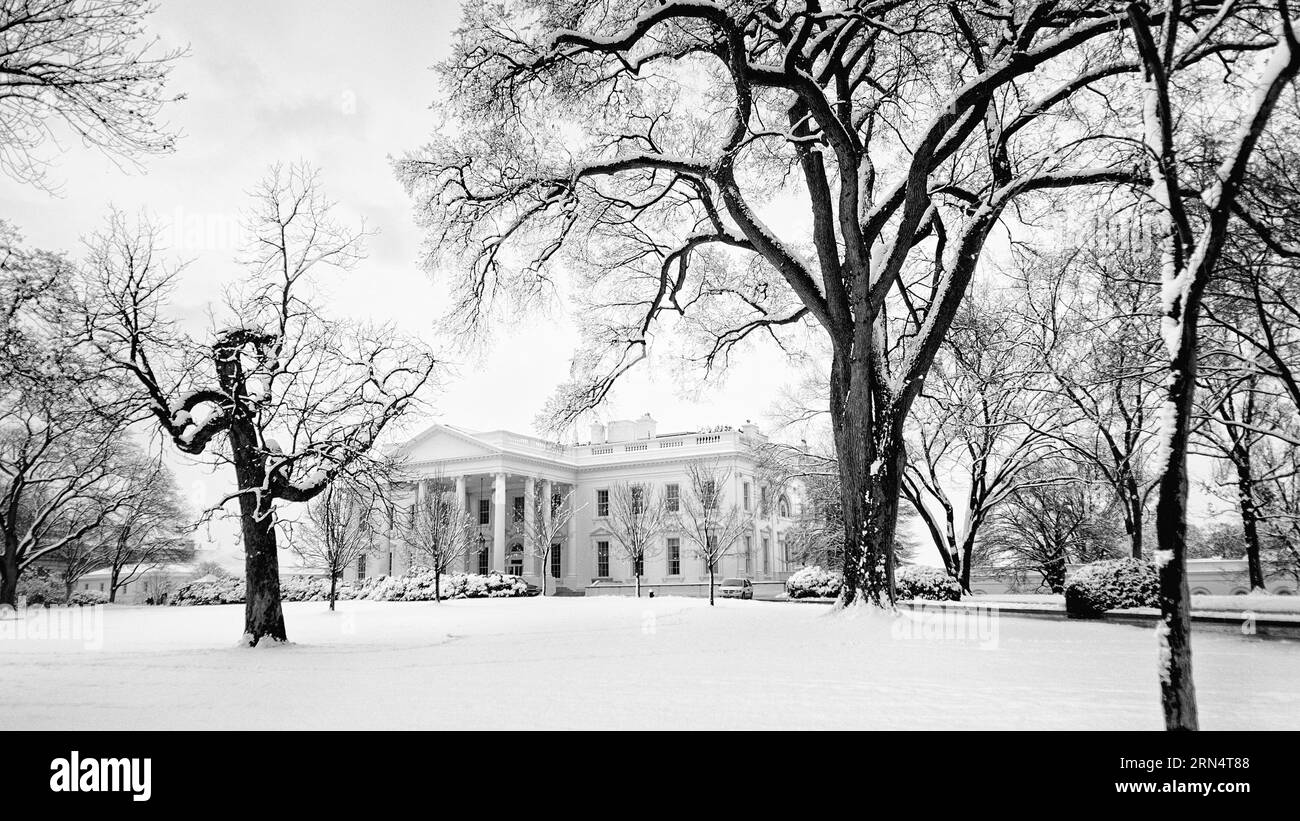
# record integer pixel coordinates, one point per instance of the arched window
(783, 508)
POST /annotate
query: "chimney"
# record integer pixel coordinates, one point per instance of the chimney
(645, 427)
(597, 433)
(749, 428)
(621, 430)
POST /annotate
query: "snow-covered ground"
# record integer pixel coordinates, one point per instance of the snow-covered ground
(613, 662)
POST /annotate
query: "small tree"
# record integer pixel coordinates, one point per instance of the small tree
(637, 517)
(289, 399)
(438, 532)
(149, 530)
(712, 528)
(550, 522)
(338, 530)
(62, 418)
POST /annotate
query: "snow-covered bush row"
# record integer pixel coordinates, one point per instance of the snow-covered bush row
(39, 589)
(226, 590)
(814, 582)
(85, 598)
(919, 581)
(1109, 585)
(417, 586)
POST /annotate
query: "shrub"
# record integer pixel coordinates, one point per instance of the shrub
(1109, 585)
(229, 590)
(814, 582)
(39, 588)
(918, 581)
(85, 598)
(416, 586)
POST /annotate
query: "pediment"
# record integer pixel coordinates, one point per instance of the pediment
(442, 442)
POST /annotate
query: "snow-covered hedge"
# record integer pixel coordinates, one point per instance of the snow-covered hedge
(418, 586)
(85, 598)
(814, 582)
(1109, 585)
(226, 590)
(919, 581)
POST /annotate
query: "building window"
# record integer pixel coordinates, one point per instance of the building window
(602, 503)
(783, 508)
(485, 511)
(483, 562)
(555, 561)
(762, 501)
(361, 568)
(749, 555)
(672, 498)
(602, 559)
(709, 491)
(557, 502)
(518, 511)
(674, 556)
(710, 551)
(638, 566)
(745, 501)
(767, 555)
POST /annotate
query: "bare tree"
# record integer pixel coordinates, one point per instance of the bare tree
(977, 431)
(294, 399)
(85, 65)
(63, 421)
(437, 531)
(549, 524)
(339, 529)
(637, 518)
(1091, 315)
(1193, 236)
(1043, 526)
(712, 527)
(149, 530)
(648, 146)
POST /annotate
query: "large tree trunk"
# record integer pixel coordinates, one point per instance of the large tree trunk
(9, 579)
(437, 583)
(870, 455)
(334, 583)
(967, 550)
(1177, 690)
(263, 616)
(638, 584)
(711, 584)
(114, 574)
(1249, 518)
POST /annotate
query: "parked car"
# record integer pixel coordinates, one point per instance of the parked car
(736, 589)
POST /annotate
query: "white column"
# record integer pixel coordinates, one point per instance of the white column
(499, 523)
(546, 523)
(571, 547)
(530, 502)
(460, 494)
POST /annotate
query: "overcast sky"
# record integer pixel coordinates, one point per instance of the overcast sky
(343, 88)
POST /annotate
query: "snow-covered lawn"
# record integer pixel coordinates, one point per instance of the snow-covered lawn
(613, 662)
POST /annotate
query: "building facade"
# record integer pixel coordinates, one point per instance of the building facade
(492, 475)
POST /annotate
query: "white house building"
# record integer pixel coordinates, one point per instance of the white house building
(491, 474)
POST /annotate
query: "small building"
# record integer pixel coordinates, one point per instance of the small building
(146, 586)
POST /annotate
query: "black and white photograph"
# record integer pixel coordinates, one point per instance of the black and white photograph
(918, 376)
